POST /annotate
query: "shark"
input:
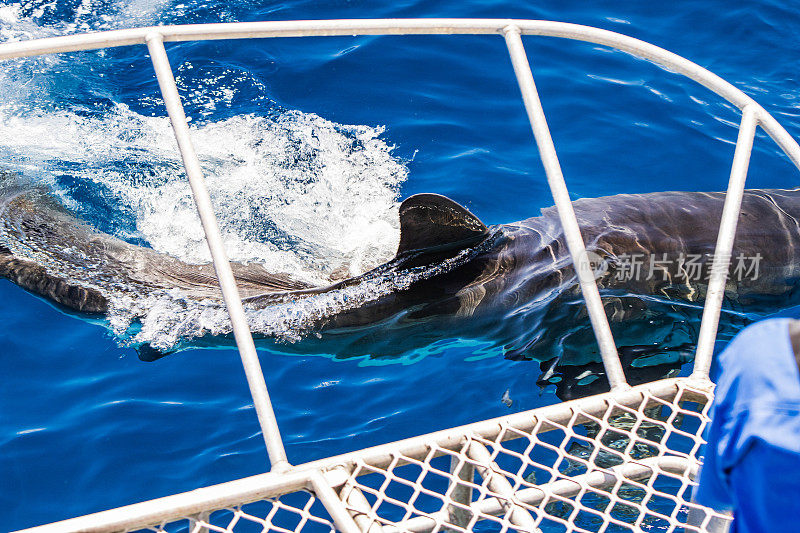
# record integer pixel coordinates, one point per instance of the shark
(450, 273)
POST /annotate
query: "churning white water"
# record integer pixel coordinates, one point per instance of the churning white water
(292, 191)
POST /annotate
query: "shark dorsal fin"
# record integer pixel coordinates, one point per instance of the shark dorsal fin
(432, 221)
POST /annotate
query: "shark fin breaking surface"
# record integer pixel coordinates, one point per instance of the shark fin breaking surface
(435, 222)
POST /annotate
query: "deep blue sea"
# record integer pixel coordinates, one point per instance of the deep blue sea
(309, 145)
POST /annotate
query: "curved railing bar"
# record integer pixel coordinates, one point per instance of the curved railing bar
(353, 27)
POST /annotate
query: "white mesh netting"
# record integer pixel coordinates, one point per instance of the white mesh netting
(299, 511)
(610, 463)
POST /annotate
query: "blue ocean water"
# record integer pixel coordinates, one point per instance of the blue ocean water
(85, 425)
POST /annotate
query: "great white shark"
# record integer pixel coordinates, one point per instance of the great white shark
(449, 266)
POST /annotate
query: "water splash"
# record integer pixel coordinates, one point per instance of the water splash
(297, 193)
(292, 191)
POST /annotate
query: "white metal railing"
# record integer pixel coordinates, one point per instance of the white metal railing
(355, 487)
(572, 233)
(233, 302)
(475, 450)
(722, 252)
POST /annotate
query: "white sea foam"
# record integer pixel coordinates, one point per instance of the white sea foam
(166, 317)
(293, 191)
(297, 193)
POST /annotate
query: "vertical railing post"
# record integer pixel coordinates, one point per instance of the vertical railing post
(230, 293)
(572, 233)
(724, 248)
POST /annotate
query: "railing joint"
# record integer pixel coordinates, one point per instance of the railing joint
(333, 504)
(154, 36)
(281, 467)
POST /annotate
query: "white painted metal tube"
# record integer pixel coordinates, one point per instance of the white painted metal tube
(361, 510)
(194, 521)
(498, 483)
(572, 232)
(230, 293)
(344, 522)
(353, 27)
(781, 137)
(722, 252)
(186, 504)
